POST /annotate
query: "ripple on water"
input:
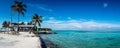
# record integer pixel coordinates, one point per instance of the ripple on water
(85, 40)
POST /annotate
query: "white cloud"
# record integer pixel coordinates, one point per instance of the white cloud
(79, 25)
(40, 7)
(43, 18)
(69, 18)
(45, 9)
(105, 5)
(51, 18)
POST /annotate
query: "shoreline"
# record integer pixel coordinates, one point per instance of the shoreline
(45, 43)
(24, 40)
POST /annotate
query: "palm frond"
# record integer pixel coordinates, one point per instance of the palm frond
(37, 19)
(24, 5)
(20, 3)
(13, 7)
(24, 9)
(16, 2)
(20, 7)
(22, 13)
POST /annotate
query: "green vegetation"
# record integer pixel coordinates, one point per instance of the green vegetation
(36, 19)
(20, 8)
(30, 23)
(22, 23)
(44, 29)
(5, 24)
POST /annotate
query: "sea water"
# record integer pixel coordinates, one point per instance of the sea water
(84, 39)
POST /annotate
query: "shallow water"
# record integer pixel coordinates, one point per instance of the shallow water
(77, 39)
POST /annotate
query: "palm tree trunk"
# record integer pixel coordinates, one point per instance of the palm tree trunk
(18, 23)
(37, 28)
(11, 20)
(35, 25)
(12, 14)
(10, 23)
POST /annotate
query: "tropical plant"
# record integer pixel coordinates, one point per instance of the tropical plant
(22, 23)
(5, 24)
(20, 8)
(45, 29)
(36, 19)
(29, 23)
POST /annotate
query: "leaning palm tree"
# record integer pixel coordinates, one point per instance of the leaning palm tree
(20, 8)
(36, 19)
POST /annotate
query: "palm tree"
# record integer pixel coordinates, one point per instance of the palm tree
(36, 19)
(20, 8)
(30, 23)
(5, 25)
(22, 23)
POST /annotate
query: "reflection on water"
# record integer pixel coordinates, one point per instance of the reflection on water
(72, 39)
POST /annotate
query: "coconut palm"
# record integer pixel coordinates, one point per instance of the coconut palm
(22, 23)
(20, 8)
(5, 25)
(36, 19)
(30, 23)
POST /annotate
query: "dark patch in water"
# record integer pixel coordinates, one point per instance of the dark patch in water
(107, 47)
(96, 38)
(86, 36)
(104, 38)
(110, 38)
(115, 44)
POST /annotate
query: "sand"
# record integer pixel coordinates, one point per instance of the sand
(24, 40)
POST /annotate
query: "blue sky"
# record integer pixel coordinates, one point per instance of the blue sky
(63, 14)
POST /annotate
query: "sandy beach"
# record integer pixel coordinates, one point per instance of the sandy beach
(24, 40)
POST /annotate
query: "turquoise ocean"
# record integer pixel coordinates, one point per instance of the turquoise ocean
(84, 39)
